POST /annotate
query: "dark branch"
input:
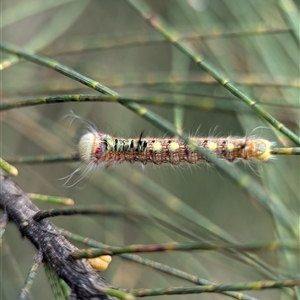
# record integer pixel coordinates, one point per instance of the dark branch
(84, 281)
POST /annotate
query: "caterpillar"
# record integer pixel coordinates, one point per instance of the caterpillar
(100, 148)
(97, 148)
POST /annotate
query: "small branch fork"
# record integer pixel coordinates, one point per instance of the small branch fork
(85, 283)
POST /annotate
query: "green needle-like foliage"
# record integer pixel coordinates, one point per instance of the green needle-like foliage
(161, 69)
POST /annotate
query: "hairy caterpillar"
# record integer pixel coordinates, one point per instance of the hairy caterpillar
(97, 148)
(100, 148)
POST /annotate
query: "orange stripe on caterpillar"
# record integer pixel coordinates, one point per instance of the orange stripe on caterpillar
(100, 148)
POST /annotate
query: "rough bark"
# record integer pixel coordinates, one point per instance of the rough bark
(84, 282)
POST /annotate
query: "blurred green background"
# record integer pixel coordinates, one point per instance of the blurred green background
(253, 43)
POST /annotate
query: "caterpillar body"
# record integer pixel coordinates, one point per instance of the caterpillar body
(100, 148)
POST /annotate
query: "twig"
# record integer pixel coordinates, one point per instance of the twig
(84, 282)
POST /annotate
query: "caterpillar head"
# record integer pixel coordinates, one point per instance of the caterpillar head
(92, 147)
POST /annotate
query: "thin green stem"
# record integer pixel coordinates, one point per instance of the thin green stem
(242, 286)
(53, 280)
(90, 210)
(47, 158)
(37, 260)
(64, 288)
(286, 151)
(8, 168)
(206, 103)
(112, 250)
(73, 46)
(118, 294)
(50, 199)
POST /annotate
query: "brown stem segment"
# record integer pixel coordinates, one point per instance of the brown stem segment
(84, 282)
